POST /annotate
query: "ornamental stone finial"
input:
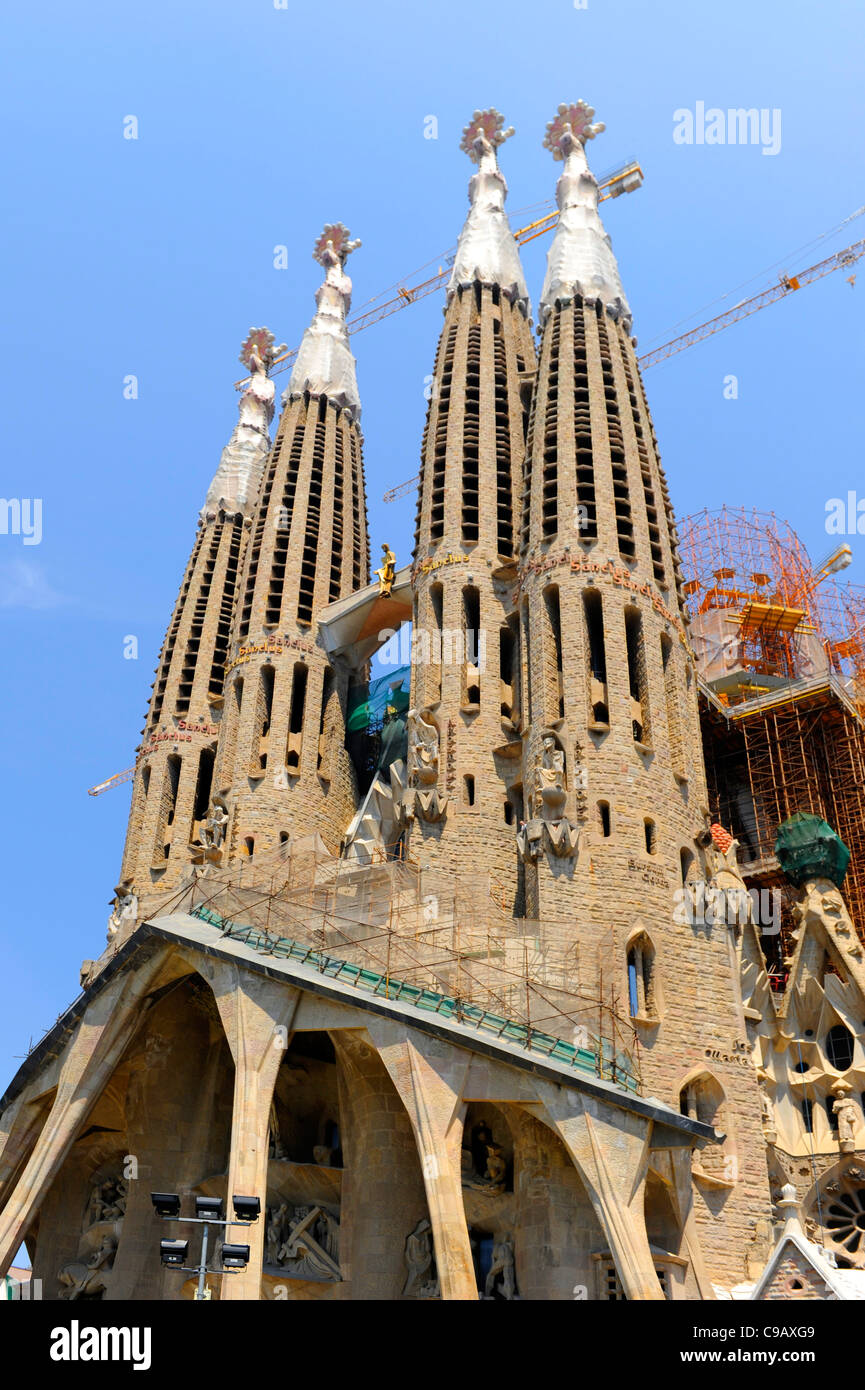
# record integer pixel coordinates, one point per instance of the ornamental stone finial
(334, 245)
(259, 350)
(484, 133)
(572, 126)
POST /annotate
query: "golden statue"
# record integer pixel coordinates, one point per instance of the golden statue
(387, 573)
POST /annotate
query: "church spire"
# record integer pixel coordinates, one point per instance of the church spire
(580, 259)
(325, 363)
(236, 481)
(486, 250)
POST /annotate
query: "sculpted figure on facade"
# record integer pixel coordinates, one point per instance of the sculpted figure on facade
(214, 827)
(107, 1201)
(88, 1277)
(820, 903)
(124, 909)
(548, 827)
(419, 1258)
(422, 797)
(305, 1252)
(501, 1279)
(274, 1139)
(275, 1232)
(387, 571)
(847, 1113)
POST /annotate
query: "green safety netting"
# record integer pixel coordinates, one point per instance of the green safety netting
(379, 702)
(808, 848)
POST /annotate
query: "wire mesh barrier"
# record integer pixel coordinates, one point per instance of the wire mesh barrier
(441, 944)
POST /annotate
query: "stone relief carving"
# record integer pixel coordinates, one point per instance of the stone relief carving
(87, 1278)
(422, 1281)
(548, 790)
(821, 903)
(422, 797)
(303, 1242)
(107, 1201)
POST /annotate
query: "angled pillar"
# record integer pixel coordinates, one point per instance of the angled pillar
(429, 1077)
(610, 1149)
(257, 1016)
(103, 1034)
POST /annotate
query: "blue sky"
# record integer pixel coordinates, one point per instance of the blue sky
(153, 257)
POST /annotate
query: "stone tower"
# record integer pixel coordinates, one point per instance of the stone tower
(282, 768)
(616, 820)
(173, 778)
(613, 753)
(464, 735)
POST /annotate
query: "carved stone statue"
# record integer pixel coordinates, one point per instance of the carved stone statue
(80, 1278)
(501, 1280)
(304, 1252)
(422, 797)
(770, 1132)
(847, 1113)
(820, 902)
(387, 573)
(550, 788)
(419, 1259)
(549, 827)
(423, 751)
(275, 1146)
(275, 1231)
(213, 828)
(125, 909)
(496, 1167)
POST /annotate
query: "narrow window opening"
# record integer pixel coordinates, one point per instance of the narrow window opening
(593, 615)
(553, 676)
(650, 835)
(299, 681)
(604, 813)
(471, 638)
(469, 789)
(637, 676)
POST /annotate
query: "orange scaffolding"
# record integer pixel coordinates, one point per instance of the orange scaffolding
(784, 731)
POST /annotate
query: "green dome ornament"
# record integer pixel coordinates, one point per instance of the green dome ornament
(808, 848)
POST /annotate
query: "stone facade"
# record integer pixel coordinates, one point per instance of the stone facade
(271, 1018)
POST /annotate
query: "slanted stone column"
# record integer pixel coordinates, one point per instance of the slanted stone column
(257, 1016)
(383, 1195)
(429, 1076)
(19, 1130)
(103, 1034)
(674, 1165)
(610, 1148)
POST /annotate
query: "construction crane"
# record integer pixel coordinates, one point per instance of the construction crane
(626, 178)
(787, 284)
(116, 780)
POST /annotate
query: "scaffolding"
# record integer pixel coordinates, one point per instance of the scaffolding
(780, 650)
(760, 609)
(802, 749)
(437, 941)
